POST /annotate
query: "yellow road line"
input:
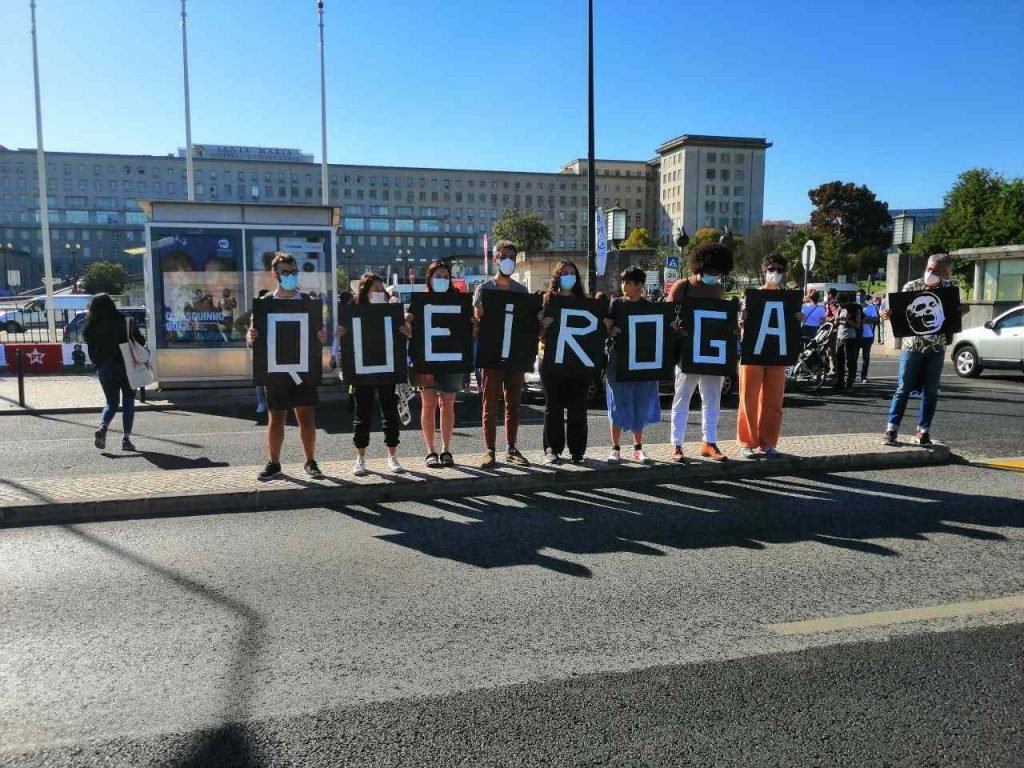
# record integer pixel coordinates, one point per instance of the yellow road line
(883, 618)
(1016, 465)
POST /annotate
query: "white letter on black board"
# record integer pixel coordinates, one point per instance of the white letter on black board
(293, 370)
(659, 338)
(566, 336)
(772, 311)
(506, 340)
(429, 310)
(699, 315)
(389, 348)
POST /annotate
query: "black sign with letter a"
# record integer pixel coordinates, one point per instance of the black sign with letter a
(645, 349)
(709, 344)
(442, 332)
(508, 331)
(286, 340)
(574, 342)
(771, 332)
(373, 351)
(929, 312)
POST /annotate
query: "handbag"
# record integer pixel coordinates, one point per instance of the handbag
(136, 360)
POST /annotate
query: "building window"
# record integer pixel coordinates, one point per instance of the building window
(350, 222)
(712, 157)
(710, 174)
(737, 191)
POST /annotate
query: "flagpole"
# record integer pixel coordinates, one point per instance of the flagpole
(323, 108)
(44, 206)
(591, 171)
(191, 186)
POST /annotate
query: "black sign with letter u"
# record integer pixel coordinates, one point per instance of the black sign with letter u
(373, 350)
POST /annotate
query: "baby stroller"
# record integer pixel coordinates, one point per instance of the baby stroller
(807, 374)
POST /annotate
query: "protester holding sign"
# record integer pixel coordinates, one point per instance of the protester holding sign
(372, 291)
(762, 387)
(923, 354)
(437, 388)
(283, 393)
(105, 330)
(632, 405)
(565, 394)
(709, 264)
(499, 382)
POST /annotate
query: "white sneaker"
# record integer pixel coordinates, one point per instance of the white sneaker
(393, 466)
(359, 468)
(614, 457)
(641, 456)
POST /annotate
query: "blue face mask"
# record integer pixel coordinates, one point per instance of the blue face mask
(567, 282)
(710, 279)
(289, 282)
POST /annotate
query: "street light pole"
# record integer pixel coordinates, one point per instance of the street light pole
(591, 183)
(191, 188)
(323, 109)
(44, 203)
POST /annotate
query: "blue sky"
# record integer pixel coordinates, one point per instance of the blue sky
(899, 95)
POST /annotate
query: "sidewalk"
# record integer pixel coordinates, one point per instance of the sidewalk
(35, 500)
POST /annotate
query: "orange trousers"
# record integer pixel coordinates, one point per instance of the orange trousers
(760, 418)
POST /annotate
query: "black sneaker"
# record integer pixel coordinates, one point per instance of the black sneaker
(126, 445)
(273, 469)
(923, 438)
(99, 438)
(889, 438)
(577, 458)
(311, 470)
(261, 418)
(515, 457)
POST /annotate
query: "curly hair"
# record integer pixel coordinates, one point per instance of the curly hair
(555, 286)
(365, 284)
(713, 256)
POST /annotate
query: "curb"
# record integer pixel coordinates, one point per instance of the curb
(412, 487)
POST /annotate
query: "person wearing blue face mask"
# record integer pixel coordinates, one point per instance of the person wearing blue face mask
(565, 395)
(709, 263)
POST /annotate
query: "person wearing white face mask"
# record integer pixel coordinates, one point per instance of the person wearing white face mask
(498, 382)
(437, 389)
(710, 263)
(565, 396)
(921, 360)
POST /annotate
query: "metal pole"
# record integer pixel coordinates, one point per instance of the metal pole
(44, 207)
(323, 108)
(191, 187)
(591, 171)
(20, 354)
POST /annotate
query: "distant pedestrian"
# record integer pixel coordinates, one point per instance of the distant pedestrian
(867, 338)
(814, 316)
(921, 360)
(850, 320)
(104, 331)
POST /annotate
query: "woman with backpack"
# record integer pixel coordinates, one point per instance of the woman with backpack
(105, 330)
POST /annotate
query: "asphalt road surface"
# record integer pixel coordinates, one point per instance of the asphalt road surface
(850, 619)
(977, 417)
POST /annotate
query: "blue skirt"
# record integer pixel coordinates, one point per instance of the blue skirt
(632, 405)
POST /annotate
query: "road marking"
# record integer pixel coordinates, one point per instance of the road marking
(1015, 465)
(884, 618)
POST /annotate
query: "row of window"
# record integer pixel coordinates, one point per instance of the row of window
(723, 174)
(75, 236)
(387, 241)
(723, 207)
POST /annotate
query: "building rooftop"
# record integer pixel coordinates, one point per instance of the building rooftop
(698, 140)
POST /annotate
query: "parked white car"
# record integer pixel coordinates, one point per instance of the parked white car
(998, 344)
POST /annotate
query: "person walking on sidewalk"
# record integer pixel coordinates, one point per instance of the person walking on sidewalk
(632, 405)
(438, 389)
(283, 394)
(565, 395)
(709, 264)
(921, 360)
(498, 382)
(372, 291)
(762, 387)
(104, 331)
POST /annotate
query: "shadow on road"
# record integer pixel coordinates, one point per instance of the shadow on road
(841, 511)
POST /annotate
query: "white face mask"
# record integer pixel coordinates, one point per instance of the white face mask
(773, 278)
(378, 297)
(931, 279)
(507, 266)
(439, 284)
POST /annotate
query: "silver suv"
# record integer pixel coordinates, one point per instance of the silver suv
(999, 343)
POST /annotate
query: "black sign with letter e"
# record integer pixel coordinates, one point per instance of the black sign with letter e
(709, 346)
(574, 342)
(929, 312)
(508, 331)
(645, 349)
(442, 332)
(771, 332)
(373, 351)
(286, 340)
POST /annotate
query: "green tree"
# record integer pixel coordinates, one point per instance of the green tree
(105, 277)
(639, 240)
(343, 280)
(759, 244)
(524, 228)
(858, 223)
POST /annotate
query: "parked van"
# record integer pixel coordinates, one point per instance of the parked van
(845, 291)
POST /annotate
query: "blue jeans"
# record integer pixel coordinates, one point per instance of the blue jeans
(117, 391)
(261, 399)
(919, 371)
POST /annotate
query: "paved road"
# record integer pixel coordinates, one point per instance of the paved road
(983, 417)
(624, 626)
